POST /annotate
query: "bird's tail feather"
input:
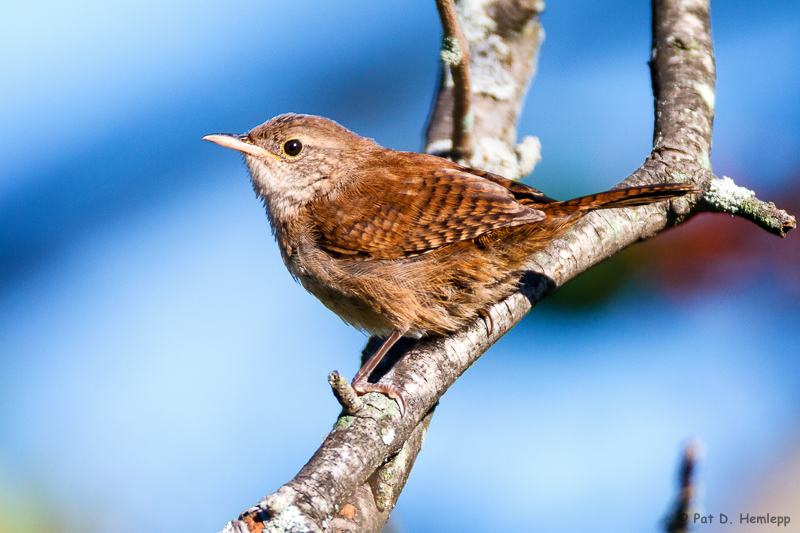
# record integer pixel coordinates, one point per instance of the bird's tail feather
(630, 197)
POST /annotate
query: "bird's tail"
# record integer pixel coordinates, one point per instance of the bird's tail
(630, 197)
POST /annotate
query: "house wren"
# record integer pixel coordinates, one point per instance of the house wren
(399, 243)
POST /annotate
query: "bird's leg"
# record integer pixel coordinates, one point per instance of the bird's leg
(362, 386)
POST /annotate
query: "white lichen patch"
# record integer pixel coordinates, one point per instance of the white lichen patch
(290, 519)
(707, 93)
(475, 23)
(487, 72)
(529, 152)
(285, 516)
(451, 52)
(494, 155)
(728, 197)
(387, 436)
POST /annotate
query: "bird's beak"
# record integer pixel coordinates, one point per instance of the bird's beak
(240, 143)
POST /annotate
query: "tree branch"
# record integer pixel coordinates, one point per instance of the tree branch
(683, 74)
(677, 521)
(455, 57)
(503, 39)
(724, 196)
(345, 394)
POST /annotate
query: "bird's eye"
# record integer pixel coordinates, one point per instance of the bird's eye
(292, 148)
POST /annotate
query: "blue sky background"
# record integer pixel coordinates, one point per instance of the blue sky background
(160, 371)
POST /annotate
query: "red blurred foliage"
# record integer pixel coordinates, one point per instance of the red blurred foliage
(715, 251)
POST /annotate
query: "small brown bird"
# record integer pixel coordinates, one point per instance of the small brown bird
(399, 243)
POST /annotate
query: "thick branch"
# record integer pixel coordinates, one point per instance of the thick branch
(506, 37)
(375, 500)
(684, 76)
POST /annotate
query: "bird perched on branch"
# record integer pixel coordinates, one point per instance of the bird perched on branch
(400, 243)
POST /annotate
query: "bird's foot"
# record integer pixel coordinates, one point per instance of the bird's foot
(484, 313)
(363, 387)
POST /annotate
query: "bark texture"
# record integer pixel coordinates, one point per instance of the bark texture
(362, 465)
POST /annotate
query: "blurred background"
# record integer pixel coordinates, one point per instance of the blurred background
(161, 372)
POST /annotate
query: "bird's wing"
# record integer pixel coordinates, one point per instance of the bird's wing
(391, 214)
(524, 193)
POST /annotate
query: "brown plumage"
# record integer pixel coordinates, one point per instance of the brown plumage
(400, 243)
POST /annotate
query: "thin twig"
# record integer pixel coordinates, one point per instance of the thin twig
(455, 56)
(345, 394)
(724, 196)
(677, 521)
